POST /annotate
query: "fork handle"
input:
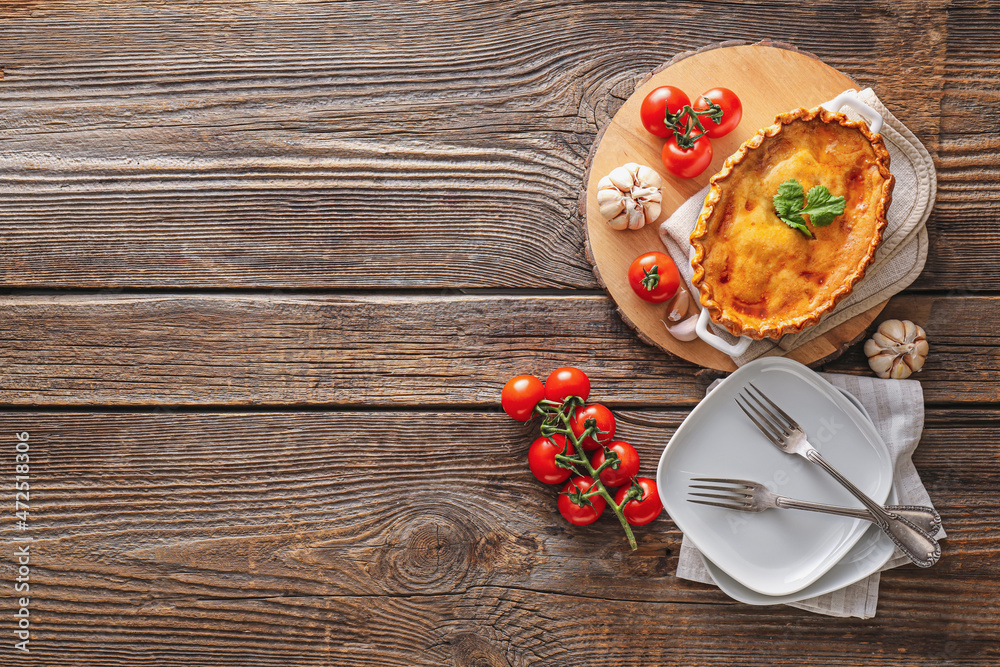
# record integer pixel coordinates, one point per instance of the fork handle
(917, 545)
(918, 516)
(926, 519)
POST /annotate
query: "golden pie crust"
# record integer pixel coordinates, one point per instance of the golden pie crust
(757, 276)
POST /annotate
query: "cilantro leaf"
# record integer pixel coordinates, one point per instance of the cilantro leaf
(790, 198)
(790, 203)
(798, 223)
(823, 207)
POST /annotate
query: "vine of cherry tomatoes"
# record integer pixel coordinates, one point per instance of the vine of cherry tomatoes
(667, 112)
(570, 428)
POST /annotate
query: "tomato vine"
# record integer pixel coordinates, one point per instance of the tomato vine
(557, 421)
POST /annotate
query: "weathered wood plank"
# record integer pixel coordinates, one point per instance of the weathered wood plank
(410, 538)
(497, 626)
(964, 227)
(378, 503)
(369, 145)
(355, 350)
(395, 350)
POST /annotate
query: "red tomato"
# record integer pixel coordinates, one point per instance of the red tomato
(577, 514)
(653, 111)
(628, 464)
(520, 396)
(687, 162)
(542, 459)
(565, 382)
(732, 111)
(654, 277)
(640, 511)
(605, 422)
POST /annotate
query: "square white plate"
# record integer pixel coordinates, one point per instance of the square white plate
(777, 552)
(864, 559)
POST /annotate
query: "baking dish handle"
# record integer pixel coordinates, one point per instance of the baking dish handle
(717, 342)
(850, 99)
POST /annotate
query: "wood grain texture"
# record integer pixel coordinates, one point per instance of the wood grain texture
(968, 159)
(374, 145)
(396, 350)
(246, 538)
(411, 172)
(335, 351)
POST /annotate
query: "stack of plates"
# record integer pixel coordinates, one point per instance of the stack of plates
(780, 556)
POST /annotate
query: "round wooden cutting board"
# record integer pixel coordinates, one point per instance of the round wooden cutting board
(768, 80)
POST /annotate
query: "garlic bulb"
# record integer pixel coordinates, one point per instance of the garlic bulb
(629, 197)
(897, 349)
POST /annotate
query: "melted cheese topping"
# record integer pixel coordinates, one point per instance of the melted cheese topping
(762, 271)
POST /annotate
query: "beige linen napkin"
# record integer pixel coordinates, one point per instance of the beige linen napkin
(896, 407)
(900, 258)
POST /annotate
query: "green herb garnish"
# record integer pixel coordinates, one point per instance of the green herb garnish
(792, 203)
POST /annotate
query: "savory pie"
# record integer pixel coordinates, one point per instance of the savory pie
(760, 277)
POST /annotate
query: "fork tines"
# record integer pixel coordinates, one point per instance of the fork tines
(776, 427)
(738, 493)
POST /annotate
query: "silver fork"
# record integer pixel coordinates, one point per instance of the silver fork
(786, 434)
(747, 496)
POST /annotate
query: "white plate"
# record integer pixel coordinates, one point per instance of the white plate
(774, 553)
(865, 558)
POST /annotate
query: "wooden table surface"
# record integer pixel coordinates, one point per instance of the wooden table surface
(266, 265)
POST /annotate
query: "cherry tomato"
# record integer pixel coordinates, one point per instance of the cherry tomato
(640, 511)
(653, 111)
(577, 514)
(605, 422)
(732, 111)
(628, 464)
(565, 382)
(542, 459)
(654, 277)
(687, 162)
(520, 396)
